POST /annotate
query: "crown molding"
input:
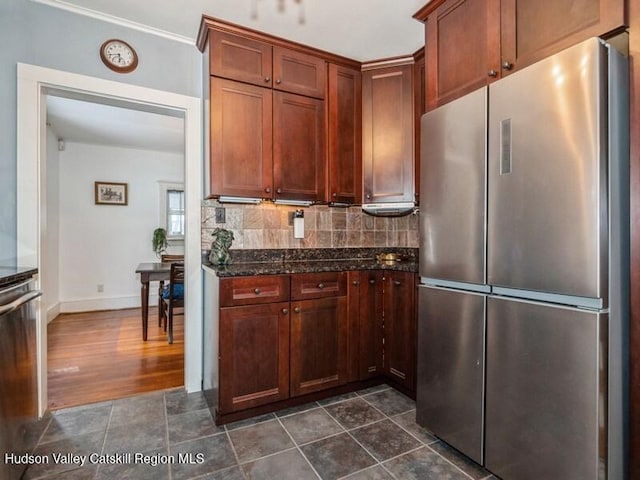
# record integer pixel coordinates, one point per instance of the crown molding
(105, 17)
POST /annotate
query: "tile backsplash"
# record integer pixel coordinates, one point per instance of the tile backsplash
(267, 226)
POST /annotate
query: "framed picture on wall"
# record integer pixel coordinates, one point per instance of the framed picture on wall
(111, 193)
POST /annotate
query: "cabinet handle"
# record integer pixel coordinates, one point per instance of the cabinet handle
(267, 190)
(372, 281)
(507, 65)
(356, 282)
(321, 286)
(278, 81)
(285, 311)
(296, 310)
(267, 79)
(257, 291)
(492, 73)
(396, 282)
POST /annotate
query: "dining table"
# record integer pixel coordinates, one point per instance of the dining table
(151, 272)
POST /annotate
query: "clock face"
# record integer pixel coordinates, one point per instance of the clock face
(119, 56)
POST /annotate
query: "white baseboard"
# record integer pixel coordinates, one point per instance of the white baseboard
(102, 303)
(53, 312)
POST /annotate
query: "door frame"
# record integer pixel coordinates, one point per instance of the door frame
(33, 81)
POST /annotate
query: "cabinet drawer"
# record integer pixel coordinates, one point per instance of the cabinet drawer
(255, 289)
(318, 285)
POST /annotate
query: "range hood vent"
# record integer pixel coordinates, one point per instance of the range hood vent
(389, 209)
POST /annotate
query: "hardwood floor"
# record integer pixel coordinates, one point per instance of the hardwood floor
(99, 356)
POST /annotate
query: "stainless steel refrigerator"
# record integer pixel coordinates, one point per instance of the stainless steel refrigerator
(524, 241)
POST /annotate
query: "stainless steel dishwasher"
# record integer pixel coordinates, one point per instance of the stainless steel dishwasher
(18, 371)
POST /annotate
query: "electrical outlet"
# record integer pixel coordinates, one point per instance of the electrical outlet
(220, 215)
(100, 288)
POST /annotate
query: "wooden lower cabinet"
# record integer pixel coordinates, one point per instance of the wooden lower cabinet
(370, 325)
(319, 334)
(254, 356)
(400, 328)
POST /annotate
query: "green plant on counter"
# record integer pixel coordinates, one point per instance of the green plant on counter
(159, 241)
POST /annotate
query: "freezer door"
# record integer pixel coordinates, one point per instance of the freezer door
(547, 227)
(453, 190)
(546, 391)
(450, 395)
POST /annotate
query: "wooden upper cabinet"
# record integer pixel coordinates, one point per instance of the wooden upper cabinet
(241, 139)
(253, 61)
(299, 73)
(462, 53)
(388, 134)
(471, 43)
(345, 135)
(419, 108)
(240, 58)
(299, 161)
(533, 30)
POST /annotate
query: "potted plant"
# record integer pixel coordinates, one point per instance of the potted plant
(159, 241)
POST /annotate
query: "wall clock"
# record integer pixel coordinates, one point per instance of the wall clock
(119, 56)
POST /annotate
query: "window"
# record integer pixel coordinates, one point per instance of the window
(172, 213)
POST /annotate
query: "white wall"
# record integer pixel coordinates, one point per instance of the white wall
(103, 244)
(51, 268)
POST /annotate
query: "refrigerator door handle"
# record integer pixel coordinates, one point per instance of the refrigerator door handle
(505, 146)
(18, 302)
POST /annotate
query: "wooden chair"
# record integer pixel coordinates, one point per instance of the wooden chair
(173, 297)
(165, 258)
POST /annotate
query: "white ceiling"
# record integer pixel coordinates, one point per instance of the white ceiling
(82, 121)
(358, 29)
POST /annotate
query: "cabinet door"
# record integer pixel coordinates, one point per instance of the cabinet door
(370, 326)
(387, 118)
(399, 327)
(463, 48)
(254, 355)
(297, 72)
(240, 58)
(534, 30)
(241, 139)
(299, 161)
(319, 333)
(345, 135)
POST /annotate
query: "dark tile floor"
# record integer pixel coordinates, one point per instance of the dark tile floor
(370, 434)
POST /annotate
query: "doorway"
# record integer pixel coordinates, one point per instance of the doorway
(92, 247)
(33, 84)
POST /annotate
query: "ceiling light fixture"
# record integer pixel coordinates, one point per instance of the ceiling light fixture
(281, 7)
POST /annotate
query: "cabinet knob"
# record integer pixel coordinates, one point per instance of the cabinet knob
(296, 310)
(368, 195)
(278, 190)
(396, 282)
(257, 291)
(278, 81)
(372, 281)
(492, 73)
(267, 190)
(321, 286)
(285, 311)
(355, 282)
(334, 194)
(507, 65)
(267, 79)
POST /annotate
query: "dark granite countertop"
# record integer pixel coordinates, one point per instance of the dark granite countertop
(272, 262)
(10, 275)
